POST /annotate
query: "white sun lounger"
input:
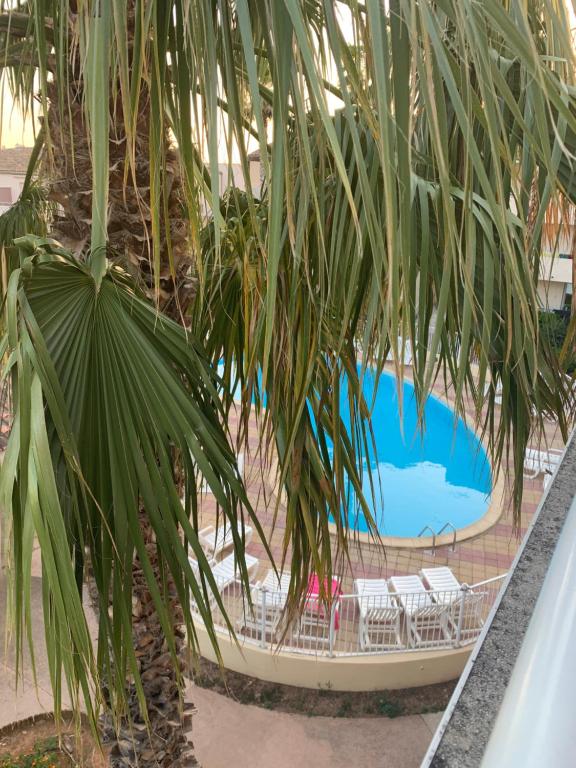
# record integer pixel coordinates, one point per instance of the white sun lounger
(203, 483)
(538, 462)
(447, 590)
(316, 626)
(268, 600)
(379, 626)
(424, 618)
(405, 351)
(226, 571)
(215, 540)
(497, 393)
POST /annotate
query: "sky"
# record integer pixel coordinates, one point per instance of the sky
(14, 129)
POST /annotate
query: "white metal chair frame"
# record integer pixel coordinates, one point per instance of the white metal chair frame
(215, 541)
(224, 573)
(379, 625)
(315, 623)
(269, 598)
(421, 614)
(464, 604)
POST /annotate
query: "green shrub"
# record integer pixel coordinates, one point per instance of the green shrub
(389, 708)
(45, 755)
(553, 327)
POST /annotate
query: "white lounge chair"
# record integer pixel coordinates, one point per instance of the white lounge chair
(379, 626)
(404, 349)
(497, 394)
(268, 600)
(315, 624)
(447, 590)
(226, 571)
(203, 483)
(538, 462)
(215, 540)
(425, 619)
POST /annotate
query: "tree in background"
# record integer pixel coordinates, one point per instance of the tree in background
(399, 206)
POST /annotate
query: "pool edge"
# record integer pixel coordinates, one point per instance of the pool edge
(489, 518)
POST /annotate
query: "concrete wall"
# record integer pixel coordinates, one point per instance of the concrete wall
(551, 294)
(467, 724)
(342, 673)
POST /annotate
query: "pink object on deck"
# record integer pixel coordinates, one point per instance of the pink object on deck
(314, 591)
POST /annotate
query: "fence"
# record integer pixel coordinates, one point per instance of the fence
(357, 624)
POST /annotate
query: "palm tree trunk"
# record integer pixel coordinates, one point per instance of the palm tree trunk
(165, 740)
(69, 171)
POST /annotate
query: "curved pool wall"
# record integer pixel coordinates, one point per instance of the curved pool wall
(430, 478)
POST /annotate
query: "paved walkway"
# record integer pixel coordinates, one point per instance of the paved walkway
(227, 733)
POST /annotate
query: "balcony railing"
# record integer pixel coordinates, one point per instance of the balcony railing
(352, 625)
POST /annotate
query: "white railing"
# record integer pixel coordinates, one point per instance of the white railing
(359, 624)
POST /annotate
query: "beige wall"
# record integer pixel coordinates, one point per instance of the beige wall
(14, 182)
(232, 174)
(556, 270)
(344, 673)
(551, 294)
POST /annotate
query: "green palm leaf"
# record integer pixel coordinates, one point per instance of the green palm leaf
(107, 395)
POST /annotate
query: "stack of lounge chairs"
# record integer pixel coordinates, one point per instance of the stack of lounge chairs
(269, 598)
(431, 608)
(225, 572)
(214, 541)
(380, 615)
(537, 462)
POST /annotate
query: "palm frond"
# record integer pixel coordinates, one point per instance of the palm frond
(107, 395)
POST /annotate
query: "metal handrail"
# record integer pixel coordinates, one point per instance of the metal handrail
(262, 623)
(427, 528)
(435, 534)
(449, 525)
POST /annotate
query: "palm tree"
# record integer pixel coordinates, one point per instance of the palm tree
(405, 195)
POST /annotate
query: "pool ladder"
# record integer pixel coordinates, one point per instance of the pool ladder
(439, 533)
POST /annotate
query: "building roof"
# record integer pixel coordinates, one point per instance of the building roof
(15, 159)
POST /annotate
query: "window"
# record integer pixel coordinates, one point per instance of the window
(5, 195)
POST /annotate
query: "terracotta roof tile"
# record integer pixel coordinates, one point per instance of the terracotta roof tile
(15, 159)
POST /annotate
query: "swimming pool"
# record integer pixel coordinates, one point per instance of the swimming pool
(442, 476)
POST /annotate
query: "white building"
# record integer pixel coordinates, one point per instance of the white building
(555, 283)
(231, 175)
(13, 166)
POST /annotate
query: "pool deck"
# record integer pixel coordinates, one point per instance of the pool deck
(488, 551)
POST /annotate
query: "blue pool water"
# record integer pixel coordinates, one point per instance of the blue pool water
(419, 479)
